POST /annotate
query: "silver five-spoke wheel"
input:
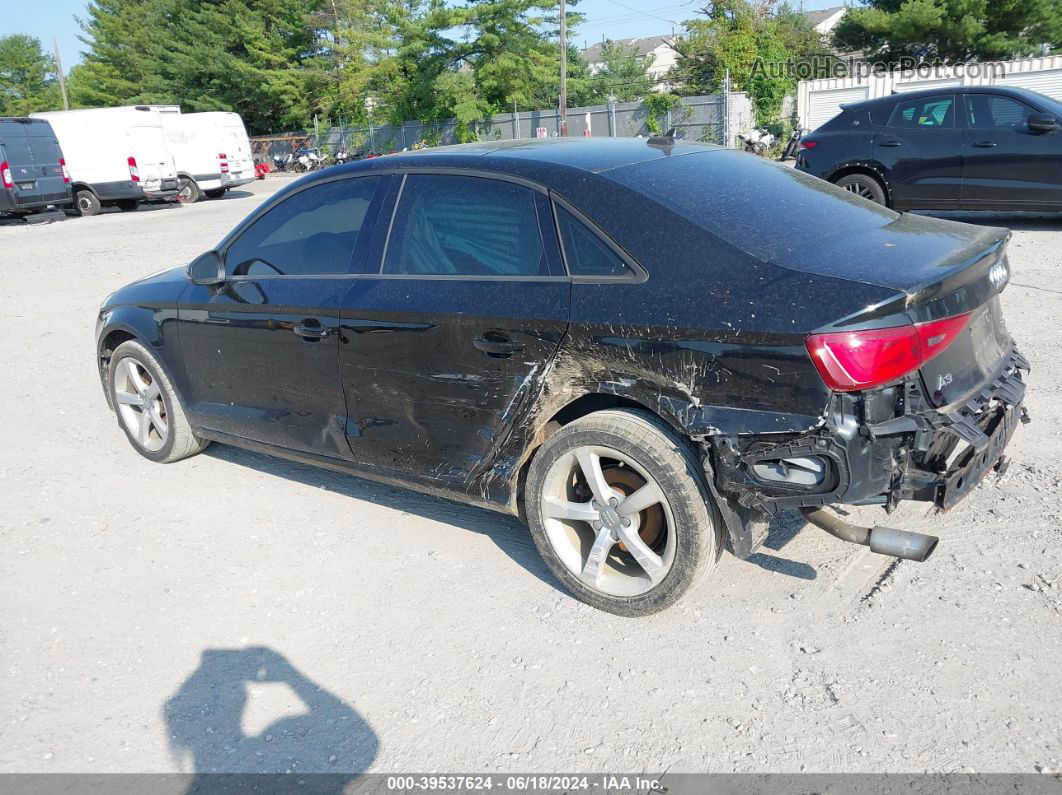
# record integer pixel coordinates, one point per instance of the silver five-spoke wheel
(618, 508)
(608, 521)
(140, 405)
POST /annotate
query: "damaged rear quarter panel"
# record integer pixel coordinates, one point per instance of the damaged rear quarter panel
(713, 343)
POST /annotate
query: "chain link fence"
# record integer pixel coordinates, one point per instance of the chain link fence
(716, 118)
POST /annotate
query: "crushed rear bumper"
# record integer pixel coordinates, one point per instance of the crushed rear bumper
(879, 447)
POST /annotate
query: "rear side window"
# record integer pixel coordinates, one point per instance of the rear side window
(465, 226)
(311, 233)
(586, 253)
(993, 112)
(927, 112)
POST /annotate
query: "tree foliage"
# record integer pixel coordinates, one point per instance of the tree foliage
(951, 30)
(623, 73)
(27, 77)
(280, 62)
(745, 38)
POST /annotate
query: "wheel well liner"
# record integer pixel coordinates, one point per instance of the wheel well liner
(582, 406)
(108, 345)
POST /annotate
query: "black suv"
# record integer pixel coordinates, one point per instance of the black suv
(955, 148)
(619, 340)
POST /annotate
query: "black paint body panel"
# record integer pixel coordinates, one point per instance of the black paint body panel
(708, 332)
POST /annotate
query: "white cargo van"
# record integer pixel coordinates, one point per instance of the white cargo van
(116, 156)
(210, 149)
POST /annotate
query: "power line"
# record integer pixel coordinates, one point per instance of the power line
(644, 13)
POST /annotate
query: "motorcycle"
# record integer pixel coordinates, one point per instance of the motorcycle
(281, 162)
(307, 160)
(757, 142)
(342, 156)
(793, 143)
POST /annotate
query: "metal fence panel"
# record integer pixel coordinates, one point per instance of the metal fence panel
(702, 118)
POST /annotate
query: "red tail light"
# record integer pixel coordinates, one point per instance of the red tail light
(807, 145)
(852, 360)
(65, 170)
(5, 175)
(224, 162)
(134, 172)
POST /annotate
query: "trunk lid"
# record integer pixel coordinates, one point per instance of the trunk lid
(940, 269)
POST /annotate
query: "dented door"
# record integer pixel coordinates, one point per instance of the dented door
(441, 346)
(436, 371)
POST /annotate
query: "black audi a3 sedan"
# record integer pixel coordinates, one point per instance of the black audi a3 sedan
(647, 350)
(953, 148)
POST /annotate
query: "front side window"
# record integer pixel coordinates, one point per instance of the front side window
(928, 112)
(312, 233)
(993, 112)
(465, 226)
(586, 253)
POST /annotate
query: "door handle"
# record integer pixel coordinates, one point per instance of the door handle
(890, 142)
(497, 347)
(985, 144)
(311, 332)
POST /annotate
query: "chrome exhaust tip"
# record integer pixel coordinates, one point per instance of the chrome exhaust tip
(883, 540)
(902, 543)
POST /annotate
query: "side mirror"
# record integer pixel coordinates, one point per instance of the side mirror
(207, 269)
(1042, 123)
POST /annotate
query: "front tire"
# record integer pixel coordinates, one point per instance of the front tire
(864, 186)
(215, 193)
(619, 511)
(128, 205)
(148, 408)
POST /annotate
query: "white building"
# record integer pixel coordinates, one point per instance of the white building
(826, 20)
(657, 47)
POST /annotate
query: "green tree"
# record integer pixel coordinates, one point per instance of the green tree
(257, 57)
(27, 77)
(120, 36)
(951, 30)
(623, 73)
(756, 43)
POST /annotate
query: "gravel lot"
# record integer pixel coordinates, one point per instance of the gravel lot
(237, 612)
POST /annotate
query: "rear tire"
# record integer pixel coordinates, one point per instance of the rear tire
(86, 203)
(215, 193)
(148, 408)
(189, 192)
(864, 186)
(128, 205)
(631, 562)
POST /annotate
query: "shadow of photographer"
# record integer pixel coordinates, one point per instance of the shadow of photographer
(215, 728)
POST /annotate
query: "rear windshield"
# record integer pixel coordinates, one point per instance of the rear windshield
(756, 205)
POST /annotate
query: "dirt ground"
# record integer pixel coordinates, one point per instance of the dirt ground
(236, 612)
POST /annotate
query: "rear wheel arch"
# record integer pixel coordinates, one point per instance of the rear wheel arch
(582, 406)
(866, 169)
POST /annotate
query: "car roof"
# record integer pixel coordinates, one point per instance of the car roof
(1010, 91)
(535, 158)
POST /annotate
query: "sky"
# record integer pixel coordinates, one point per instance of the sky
(614, 19)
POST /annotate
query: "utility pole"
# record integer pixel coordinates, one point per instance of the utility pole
(59, 74)
(563, 103)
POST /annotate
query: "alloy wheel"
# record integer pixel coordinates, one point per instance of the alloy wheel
(140, 405)
(608, 521)
(859, 189)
